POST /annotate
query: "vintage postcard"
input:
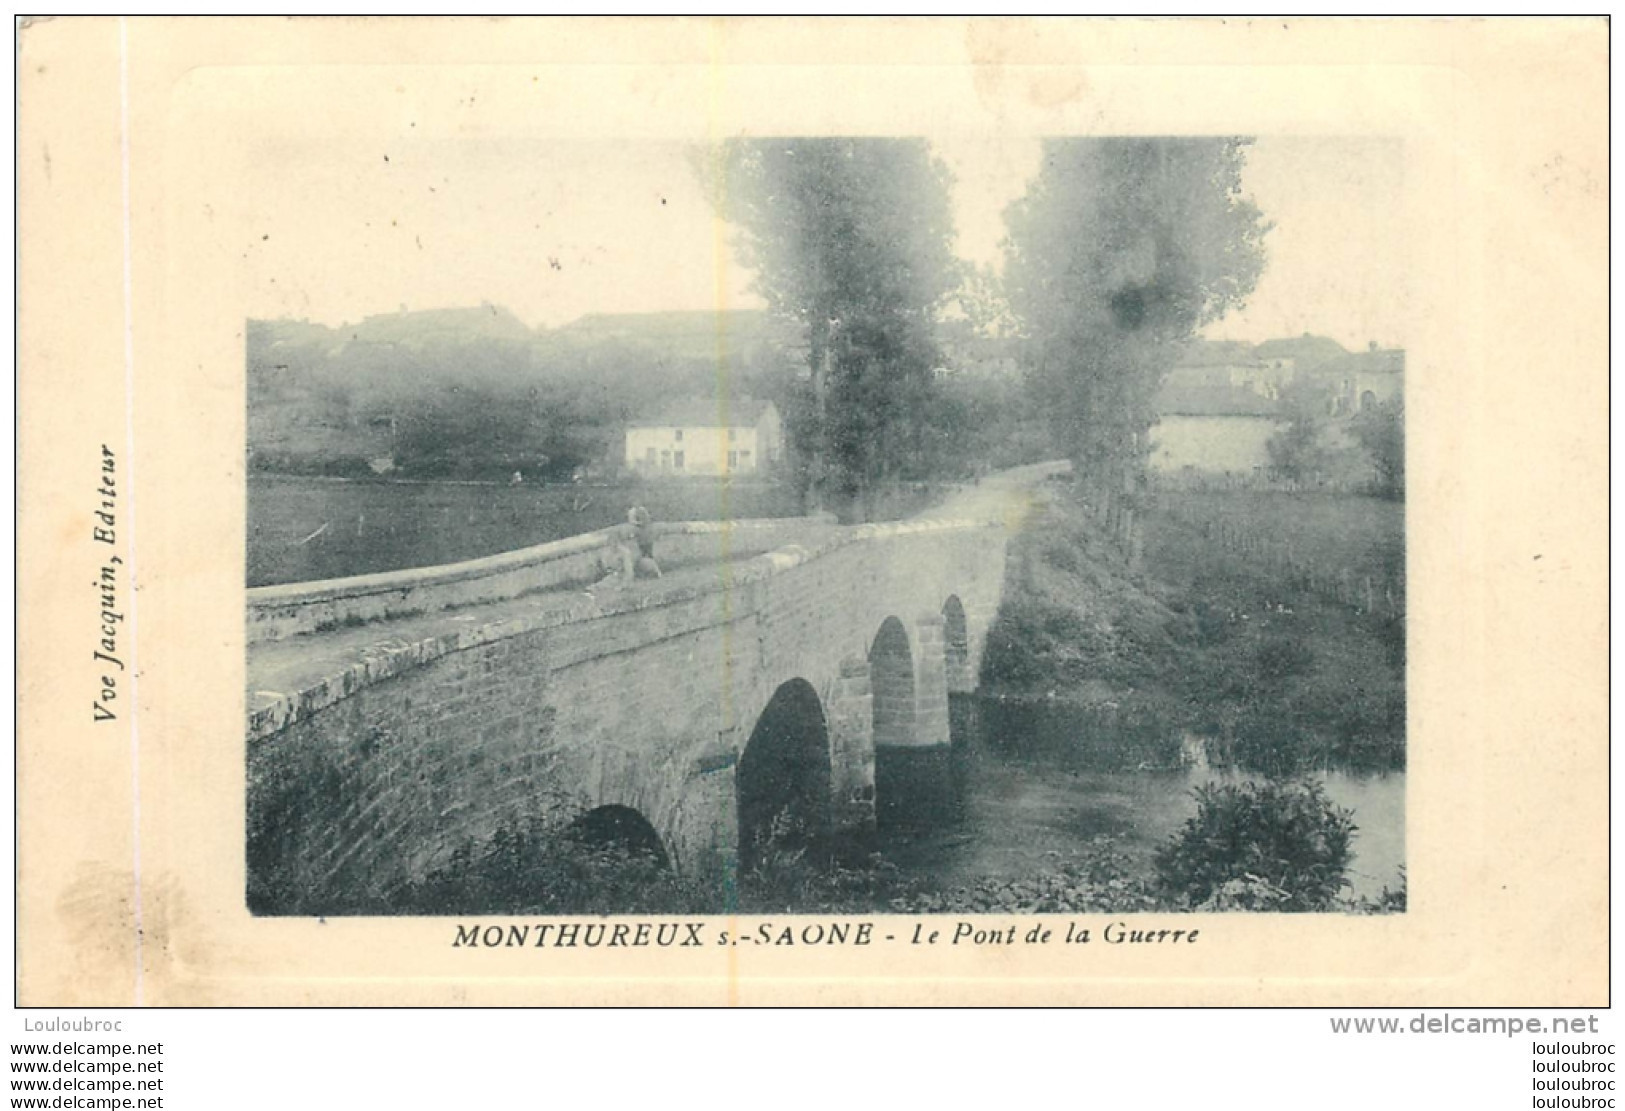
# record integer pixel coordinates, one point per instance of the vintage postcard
(782, 511)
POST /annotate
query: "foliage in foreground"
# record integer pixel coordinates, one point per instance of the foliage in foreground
(1101, 878)
(1392, 900)
(1258, 847)
(532, 869)
(1272, 845)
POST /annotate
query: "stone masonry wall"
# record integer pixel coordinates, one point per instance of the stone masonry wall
(295, 609)
(645, 705)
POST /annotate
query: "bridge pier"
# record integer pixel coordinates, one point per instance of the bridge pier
(914, 773)
(960, 674)
(850, 710)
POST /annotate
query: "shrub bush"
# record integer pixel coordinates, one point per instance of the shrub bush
(1390, 633)
(1269, 740)
(530, 868)
(1371, 730)
(1284, 657)
(1268, 845)
(1394, 899)
(1213, 625)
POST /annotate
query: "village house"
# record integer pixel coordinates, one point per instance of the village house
(706, 437)
(1209, 424)
(1222, 402)
(1216, 410)
(1232, 361)
(1364, 379)
(1298, 355)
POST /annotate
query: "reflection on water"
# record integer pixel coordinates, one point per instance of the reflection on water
(1023, 816)
(1378, 802)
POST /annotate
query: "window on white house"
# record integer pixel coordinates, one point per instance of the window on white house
(653, 457)
(733, 433)
(679, 436)
(677, 461)
(733, 460)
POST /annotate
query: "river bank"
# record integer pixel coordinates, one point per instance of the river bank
(1113, 689)
(1118, 665)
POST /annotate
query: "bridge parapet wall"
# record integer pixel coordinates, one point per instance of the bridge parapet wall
(294, 609)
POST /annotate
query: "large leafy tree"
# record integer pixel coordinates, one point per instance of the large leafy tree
(852, 240)
(1118, 252)
(1298, 448)
(1381, 431)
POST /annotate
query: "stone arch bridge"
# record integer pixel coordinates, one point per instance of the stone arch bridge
(785, 666)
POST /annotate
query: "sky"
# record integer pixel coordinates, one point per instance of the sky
(554, 230)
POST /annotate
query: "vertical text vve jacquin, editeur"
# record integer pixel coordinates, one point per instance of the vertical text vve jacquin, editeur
(110, 618)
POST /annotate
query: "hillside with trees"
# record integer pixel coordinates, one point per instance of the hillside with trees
(472, 393)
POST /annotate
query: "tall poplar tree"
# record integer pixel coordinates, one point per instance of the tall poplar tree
(852, 240)
(1119, 251)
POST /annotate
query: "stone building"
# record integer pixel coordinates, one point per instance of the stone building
(707, 437)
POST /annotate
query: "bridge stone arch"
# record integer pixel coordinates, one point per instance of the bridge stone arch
(850, 717)
(783, 779)
(891, 681)
(619, 827)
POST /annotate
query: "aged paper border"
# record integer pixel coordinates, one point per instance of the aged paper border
(1505, 123)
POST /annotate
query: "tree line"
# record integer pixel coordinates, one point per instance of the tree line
(463, 402)
(1119, 251)
(466, 402)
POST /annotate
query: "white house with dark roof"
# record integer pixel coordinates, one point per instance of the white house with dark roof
(1210, 424)
(706, 437)
(1221, 403)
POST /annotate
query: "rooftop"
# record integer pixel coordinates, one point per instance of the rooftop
(1374, 361)
(706, 412)
(1307, 350)
(1218, 352)
(1195, 393)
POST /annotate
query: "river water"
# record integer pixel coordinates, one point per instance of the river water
(1023, 816)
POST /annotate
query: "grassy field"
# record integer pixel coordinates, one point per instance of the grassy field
(1363, 534)
(1277, 675)
(302, 529)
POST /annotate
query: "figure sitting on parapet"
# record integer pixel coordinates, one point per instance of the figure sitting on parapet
(634, 560)
(643, 536)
